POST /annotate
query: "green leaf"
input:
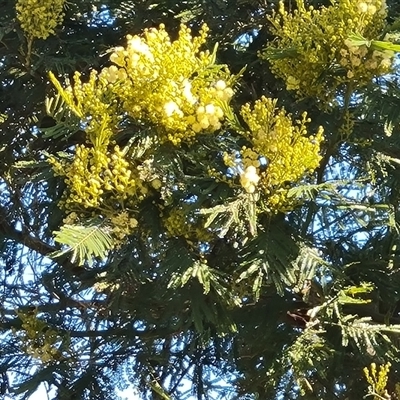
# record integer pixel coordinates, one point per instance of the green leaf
(234, 213)
(67, 123)
(352, 294)
(383, 46)
(357, 40)
(365, 333)
(85, 242)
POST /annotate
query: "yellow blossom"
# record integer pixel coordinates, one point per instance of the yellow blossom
(181, 223)
(362, 7)
(377, 380)
(169, 81)
(288, 151)
(249, 179)
(38, 339)
(158, 81)
(313, 43)
(39, 18)
(95, 175)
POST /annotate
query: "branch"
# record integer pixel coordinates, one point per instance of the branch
(27, 240)
(33, 243)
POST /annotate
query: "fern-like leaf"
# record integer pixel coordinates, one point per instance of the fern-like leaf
(67, 123)
(85, 242)
(365, 333)
(235, 212)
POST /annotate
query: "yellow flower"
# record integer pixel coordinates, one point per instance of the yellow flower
(315, 42)
(39, 18)
(249, 179)
(362, 7)
(288, 151)
(292, 83)
(170, 81)
(170, 108)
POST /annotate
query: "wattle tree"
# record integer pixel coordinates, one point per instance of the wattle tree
(200, 199)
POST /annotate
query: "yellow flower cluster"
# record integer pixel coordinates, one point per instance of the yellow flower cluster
(312, 47)
(123, 224)
(249, 179)
(246, 166)
(38, 339)
(94, 103)
(288, 151)
(39, 18)
(96, 178)
(180, 223)
(99, 175)
(378, 380)
(170, 84)
(359, 61)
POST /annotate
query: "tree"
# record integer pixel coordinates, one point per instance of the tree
(201, 192)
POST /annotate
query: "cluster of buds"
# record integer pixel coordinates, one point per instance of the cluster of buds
(170, 83)
(39, 18)
(249, 179)
(312, 42)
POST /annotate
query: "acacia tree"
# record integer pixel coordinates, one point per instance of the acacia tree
(199, 193)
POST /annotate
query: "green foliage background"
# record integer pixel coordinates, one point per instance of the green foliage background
(320, 284)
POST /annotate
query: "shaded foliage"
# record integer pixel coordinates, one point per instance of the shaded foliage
(323, 278)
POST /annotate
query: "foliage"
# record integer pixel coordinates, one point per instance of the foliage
(200, 199)
(144, 84)
(325, 58)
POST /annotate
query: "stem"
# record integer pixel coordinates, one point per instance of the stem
(375, 395)
(347, 96)
(28, 53)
